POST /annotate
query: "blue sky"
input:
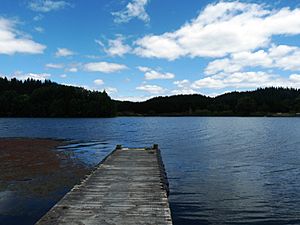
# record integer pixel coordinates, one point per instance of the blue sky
(137, 49)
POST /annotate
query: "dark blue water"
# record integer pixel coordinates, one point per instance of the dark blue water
(221, 170)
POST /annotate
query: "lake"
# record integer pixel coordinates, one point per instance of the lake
(221, 170)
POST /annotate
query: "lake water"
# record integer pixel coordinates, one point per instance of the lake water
(220, 170)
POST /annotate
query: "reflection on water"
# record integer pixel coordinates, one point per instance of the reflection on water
(220, 170)
(87, 153)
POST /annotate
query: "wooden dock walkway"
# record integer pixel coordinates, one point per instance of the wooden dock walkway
(128, 187)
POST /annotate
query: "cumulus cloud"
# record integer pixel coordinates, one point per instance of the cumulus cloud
(246, 80)
(110, 90)
(221, 29)
(72, 70)
(115, 47)
(11, 40)
(159, 47)
(153, 89)
(295, 78)
(36, 76)
(144, 68)
(54, 66)
(134, 9)
(155, 75)
(104, 67)
(183, 87)
(285, 57)
(282, 57)
(98, 82)
(44, 6)
(64, 52)
(182, 83)
(151, 74)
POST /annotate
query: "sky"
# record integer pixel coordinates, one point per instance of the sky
(138, 49)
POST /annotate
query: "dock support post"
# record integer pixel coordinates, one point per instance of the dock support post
(155, 146)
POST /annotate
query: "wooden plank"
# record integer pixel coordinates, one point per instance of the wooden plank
(128, 187)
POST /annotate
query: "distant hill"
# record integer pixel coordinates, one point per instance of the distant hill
(261, 102)
(32, 98)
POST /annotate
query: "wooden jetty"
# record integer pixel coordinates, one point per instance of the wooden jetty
(128, 187)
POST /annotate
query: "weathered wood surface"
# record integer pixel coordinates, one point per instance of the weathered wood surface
(128, 187)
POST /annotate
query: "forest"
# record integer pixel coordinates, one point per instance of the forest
(270, 101)
(34, 98)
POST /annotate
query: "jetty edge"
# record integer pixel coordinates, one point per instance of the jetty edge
(129, 186)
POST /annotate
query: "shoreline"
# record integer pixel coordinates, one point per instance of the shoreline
(34, 171)
(35, 160)
(27, 157)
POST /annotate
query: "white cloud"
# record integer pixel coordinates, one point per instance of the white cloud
(133, 98)
(111, 90)
(183, 87)
(144, 68)
(221, 29)
(134, 9)
(63, 75)
(209, 82)
(153, 89)
(182, 83)
(154, 75)
(116, 47)
(162, 46)
(183, 92)
(73, 67)
(36, 76)
(39, 29)
(38, 17)
(92, 56)
(222, 65)
(11, 40)
(104, 67)
(47, 5)
(282, 57)
(246, 80)
(64, 52)
(285, 57)
(98, 82)
(72, 70)
(54, 66)
(295, 78)
(151, 74)
(238, 61)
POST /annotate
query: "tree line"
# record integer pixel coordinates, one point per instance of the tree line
(34, 98)
(261, 102)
